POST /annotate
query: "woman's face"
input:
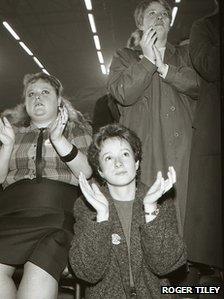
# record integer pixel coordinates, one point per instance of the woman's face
(117, 162)
(41, 101)
(157, 17)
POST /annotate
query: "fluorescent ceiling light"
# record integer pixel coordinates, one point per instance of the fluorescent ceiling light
(38, 62)
(103, 69)
(97, 42)
(26, 48)
(174, 13)
(92, 22)
(100, 57)
(45, 71)
(9, 28)
(177, 1)
(88, 4)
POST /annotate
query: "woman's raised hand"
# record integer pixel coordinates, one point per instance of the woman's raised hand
(148, 40)
(158, 60)
(7, 135)
(160, 187)
(57, 128)
(95, 198)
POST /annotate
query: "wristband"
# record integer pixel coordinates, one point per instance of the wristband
(70, 156)
(153, 213)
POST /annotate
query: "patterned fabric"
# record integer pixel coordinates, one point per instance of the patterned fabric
(23, 160)
(99, 252)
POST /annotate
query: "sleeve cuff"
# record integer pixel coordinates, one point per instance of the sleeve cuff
(163, 75)
(148, 65)
(171, 74)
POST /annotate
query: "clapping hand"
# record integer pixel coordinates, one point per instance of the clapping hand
(160, 187)
(95, 198)
(148, 40)
(158, 60)
(57, 128)
(7, 135)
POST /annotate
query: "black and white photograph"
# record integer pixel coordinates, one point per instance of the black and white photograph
(111, 149)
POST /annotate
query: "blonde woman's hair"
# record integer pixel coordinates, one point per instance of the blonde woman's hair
(136, 36)
(19, 117)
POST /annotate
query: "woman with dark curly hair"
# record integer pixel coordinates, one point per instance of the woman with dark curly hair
(43, 149)
(124, 237)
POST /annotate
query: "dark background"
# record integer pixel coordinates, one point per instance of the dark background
(59, 35)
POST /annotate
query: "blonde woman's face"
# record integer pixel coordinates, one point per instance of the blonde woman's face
(157, 17)
(41, 101)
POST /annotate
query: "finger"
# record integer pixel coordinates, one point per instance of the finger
(54, 124)
(65, 110)
(63, 118)
(153, 38)
(162, 185)
(6, 122)
(63, 115)
(59, 126)
(156, 185)
(86, 189)
(158, 178)
(147, 35)
(150, 39)
(168, 184)
(173, 174)
(66, 114)
(159, 174)
(60, 115)
(149, 31)
(1, 124)
(96, 188)
(157, 53)
(86, 184)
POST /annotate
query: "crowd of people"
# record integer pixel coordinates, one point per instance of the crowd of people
(130, 205)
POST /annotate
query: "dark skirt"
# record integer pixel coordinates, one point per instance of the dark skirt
(36, 224)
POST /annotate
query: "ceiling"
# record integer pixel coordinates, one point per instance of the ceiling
(58, 33)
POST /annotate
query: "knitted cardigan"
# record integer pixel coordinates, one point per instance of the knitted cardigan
(99, 253)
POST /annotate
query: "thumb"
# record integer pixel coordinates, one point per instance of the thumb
(6, 122)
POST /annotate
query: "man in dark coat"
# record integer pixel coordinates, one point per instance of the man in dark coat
(203, 222)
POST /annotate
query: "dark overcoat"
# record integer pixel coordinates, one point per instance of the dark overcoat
(203, 226)
(159, 110)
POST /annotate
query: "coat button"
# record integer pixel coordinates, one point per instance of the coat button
(133, 292)
(176, 134)
(172, 108)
